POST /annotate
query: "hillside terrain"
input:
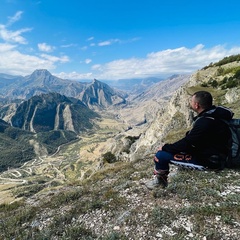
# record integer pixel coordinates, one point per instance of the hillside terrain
(40, 125)
(94, 187)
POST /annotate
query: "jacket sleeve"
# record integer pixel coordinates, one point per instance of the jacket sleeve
(194, 138)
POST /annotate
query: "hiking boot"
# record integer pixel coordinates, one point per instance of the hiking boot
(162, 176)
(152, 184)
(160, 180)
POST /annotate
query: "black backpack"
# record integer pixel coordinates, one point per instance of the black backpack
(233, 160)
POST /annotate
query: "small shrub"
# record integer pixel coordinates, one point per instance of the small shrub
(204, 85)
(78, 232)
(115, 236)
(237, 74)
(109, 157)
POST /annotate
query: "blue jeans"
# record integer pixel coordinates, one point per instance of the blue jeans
(162, 160)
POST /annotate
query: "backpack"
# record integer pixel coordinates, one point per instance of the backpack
(233, 159)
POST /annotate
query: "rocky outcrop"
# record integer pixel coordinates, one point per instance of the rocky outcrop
(98, 94)
(174, 116)
(232, 95)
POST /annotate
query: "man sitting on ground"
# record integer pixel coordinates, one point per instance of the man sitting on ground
(204, 146)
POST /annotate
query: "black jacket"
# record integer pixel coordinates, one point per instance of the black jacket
(209, 135)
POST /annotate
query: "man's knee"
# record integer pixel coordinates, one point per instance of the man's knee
(162, 155)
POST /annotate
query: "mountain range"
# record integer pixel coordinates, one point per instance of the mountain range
(42, 81)
(48, 106)
(134, 86)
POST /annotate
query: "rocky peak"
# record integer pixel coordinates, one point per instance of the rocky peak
(41, 77)
(100, 94)
(40, 73)
(99, 85)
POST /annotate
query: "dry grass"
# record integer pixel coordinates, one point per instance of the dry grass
(6, 193)
(114, 204)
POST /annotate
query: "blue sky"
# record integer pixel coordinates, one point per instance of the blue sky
(115, 39)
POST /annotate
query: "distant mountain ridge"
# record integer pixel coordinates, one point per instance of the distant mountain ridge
(163, 89)
(136, 85)
(42, 81)
(19, 146)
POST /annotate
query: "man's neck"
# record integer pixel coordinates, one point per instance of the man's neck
(200, 110)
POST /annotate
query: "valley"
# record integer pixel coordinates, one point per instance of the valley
(74, 161)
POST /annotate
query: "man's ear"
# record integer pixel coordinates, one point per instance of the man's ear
(197, 106)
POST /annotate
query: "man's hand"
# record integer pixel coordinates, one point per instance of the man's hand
(159, 148)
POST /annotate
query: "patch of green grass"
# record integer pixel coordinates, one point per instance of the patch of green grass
(27, 191)
(62, 228)
(14, 223)
(115, 236)
(162, 216)
(63, 198)
(10, 207)
(195, 185)
(78, 232)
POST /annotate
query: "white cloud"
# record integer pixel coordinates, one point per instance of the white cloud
(13, 36)
(163, 63)
(116, 40)
(108, 42)
(74, 75)
(5, 47)
(69, 45)
(53, 59)
(90, 38)
(14, 62)
(45, 47)
(84, 48)
(105, 43)
(87, 61)
(160, 63)
(15, 18)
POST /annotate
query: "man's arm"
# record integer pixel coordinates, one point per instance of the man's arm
(194, 137)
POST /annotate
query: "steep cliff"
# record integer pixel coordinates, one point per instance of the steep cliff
(52, 111)
(98, 94)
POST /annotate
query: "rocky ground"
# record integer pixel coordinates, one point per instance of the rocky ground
(114, 203)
